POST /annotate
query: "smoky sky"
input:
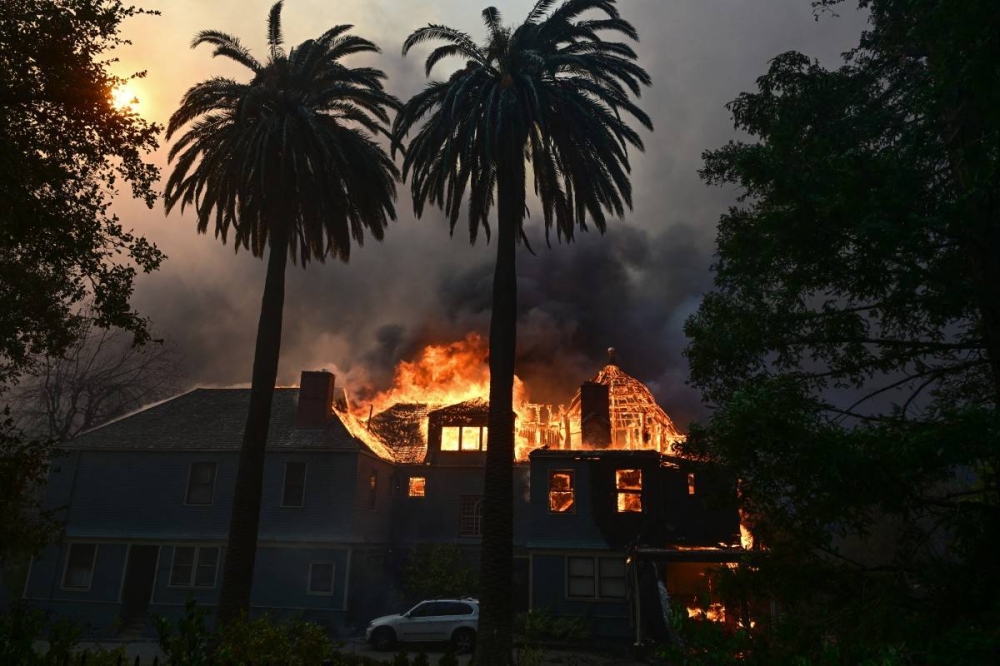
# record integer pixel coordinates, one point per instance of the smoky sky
(631, 288)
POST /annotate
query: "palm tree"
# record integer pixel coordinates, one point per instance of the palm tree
(287, 162)
(550, 91)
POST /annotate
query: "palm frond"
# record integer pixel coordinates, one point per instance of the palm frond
(274, 37)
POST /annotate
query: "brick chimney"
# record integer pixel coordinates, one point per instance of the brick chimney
(315, 399)
(595, 415)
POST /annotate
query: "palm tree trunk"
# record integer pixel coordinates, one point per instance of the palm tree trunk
(241, 549)
(496, 561)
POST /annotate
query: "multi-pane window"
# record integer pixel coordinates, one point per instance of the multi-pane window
(294, 491)
(464, 438)
(80, 566)
(417, 486)
(194, 566)
(321, 578)
(470, 521)
(628, 484)
(373, 489)
(561, 491)
(595, 577)
(201, 483)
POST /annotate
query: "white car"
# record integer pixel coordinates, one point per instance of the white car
(435, 620)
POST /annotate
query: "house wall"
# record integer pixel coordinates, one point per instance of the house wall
(97, 608)
(576, 529)
(603, 618)
(115, 498)
(372, 524)
(141, 494)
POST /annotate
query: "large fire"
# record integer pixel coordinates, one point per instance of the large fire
(441, 374)
(445, 374)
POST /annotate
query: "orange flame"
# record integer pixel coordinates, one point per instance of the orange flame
(442, 374)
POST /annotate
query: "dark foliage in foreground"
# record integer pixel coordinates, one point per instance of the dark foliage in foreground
(852, 343)
(65, 151)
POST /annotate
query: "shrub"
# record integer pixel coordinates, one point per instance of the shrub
(401, 659)
(438, 570)
(421, 659)
(189, 645)
(448, 658)
(22, 625)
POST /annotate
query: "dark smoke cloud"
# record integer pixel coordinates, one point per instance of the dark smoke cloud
(631, 288)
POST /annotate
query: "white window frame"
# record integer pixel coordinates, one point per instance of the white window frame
(333, 579)
(215, 478)
(93, 566)
(194, 568)
(284, 481)
(597, 578)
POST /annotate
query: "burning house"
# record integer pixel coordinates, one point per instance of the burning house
(606, 513)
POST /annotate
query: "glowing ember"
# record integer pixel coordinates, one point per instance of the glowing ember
(714, 613)
(629, 485)
(417, 486)
(560, 492)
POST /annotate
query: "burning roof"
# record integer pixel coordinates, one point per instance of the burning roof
(637, 421)
(453, 380)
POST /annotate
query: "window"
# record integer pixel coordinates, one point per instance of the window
(201, 483)
(595, 577)
(418, 486)
(611, 578)
(628, 483)
(194, 566)
(456, 608)
(321, 578)
(79, 566)
(465, 438)
(561, 498)
(294, 491)
(430, 609)
(471, 516)
(373, 489)
(581, 577)
(691, 483)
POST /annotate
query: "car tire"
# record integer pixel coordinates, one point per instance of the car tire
(464, 640)
(383, 639)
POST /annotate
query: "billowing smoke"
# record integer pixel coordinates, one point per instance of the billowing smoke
(631, 288)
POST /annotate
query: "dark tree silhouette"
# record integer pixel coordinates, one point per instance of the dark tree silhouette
(289, 162)
(101, 377)
(550, 91)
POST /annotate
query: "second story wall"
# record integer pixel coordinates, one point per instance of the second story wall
(146, 494)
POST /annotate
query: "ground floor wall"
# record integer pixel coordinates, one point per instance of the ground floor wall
(124, 584)
(586, 587)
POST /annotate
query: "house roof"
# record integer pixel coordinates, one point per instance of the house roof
(213, 419)
(401, 427)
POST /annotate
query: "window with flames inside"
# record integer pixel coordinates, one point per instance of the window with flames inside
(628, 484)
(561, 492)
(464, 438)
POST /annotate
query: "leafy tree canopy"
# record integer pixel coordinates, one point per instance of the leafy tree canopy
(64, 152)
(851, 344)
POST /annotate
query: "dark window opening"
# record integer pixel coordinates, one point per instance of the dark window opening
(201, 483)
(294, 492)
